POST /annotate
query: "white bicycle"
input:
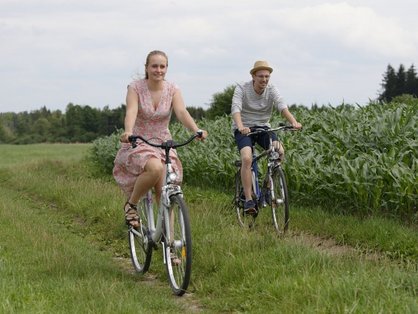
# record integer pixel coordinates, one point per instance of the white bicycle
(170, 228)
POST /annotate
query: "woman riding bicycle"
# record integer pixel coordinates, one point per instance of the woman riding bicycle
(252, 105)
(149, 103)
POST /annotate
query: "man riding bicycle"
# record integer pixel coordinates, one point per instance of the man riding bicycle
(252, 105)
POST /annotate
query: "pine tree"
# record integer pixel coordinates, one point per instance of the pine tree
(398, 83)
(388, 84)
(411, 84)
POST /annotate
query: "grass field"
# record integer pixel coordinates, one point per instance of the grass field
(64, 250)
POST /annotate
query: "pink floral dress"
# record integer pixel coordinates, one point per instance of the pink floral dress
(151, 124)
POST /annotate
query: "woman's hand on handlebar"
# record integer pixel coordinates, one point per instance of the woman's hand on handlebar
(201, 135)
(124, 138)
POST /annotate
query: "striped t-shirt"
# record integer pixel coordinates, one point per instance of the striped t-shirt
(255, 109)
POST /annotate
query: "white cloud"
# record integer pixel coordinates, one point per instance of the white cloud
(355, 27)
(86, 51)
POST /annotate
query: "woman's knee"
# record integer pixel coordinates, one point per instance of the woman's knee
(154, 166)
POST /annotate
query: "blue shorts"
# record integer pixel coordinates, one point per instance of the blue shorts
(262, 139)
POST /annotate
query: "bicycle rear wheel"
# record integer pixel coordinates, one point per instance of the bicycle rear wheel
(178, 246)
(246, 221)
(139, 241)
(279, 200)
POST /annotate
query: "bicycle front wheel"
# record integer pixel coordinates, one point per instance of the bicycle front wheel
(178, 246)
(279, 200)
(139, 241)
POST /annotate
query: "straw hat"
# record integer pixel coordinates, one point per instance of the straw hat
(261, 65)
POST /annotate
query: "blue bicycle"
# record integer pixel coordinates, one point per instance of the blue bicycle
(271, 191)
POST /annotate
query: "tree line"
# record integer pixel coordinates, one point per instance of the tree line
(78, 124)
(84, 123)
(399, 82)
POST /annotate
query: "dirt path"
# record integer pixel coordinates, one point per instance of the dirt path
(331, 247)
(188, 301)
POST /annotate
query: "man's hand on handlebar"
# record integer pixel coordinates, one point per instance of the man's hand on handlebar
(297, 125)
(244, 130)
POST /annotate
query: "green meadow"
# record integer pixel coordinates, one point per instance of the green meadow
(64, 249)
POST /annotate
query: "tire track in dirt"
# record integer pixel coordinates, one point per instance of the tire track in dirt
(187, 301)
(331, 247)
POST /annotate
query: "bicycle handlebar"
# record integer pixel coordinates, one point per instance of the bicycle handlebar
(166, 145)
(281, 127)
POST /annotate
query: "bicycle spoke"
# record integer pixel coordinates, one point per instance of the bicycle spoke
(140, 249)
(279, 201)
(178, 246)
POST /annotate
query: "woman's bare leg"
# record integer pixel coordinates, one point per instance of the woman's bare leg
(153, 174)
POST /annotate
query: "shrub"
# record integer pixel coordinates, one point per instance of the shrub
(103, 153)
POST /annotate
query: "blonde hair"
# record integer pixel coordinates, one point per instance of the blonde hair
(153, 53)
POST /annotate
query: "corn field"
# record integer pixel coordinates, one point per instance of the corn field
(360, 159)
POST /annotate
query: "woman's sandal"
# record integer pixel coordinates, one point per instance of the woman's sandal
(131, 215)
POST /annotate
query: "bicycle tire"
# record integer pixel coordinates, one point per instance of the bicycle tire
(140, 247)
(279, 200)
(179, 246)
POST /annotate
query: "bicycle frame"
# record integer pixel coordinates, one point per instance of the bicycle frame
(255, 176)
(155, 225)
(272, 160)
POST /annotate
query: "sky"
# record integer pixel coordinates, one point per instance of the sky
(56, 52)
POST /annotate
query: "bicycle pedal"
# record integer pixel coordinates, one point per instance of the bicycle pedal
(251, 213)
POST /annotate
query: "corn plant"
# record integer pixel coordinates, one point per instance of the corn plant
(348, 158)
